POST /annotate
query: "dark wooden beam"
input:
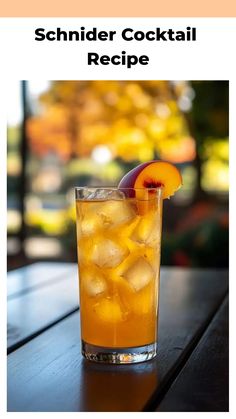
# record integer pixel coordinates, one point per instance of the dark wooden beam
(23, 154)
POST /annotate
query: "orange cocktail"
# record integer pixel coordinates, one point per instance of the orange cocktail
(118, 237)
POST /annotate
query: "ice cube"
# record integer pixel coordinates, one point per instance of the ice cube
(108, 254)
(145, 301)
(147, 230)
(89, 225)
(104, 194)
(139, 274)
(115, 213)
(108, 310)
(93, 283)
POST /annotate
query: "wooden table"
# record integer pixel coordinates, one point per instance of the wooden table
(46, 371)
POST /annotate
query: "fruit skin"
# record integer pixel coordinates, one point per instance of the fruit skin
(161, 173)
(129, 179)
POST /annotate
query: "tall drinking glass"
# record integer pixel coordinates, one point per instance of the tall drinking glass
(118, 240)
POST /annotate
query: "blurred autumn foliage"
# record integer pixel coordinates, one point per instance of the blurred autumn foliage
(135, 120)
(92, 132)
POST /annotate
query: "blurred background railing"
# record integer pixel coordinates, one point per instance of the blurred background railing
(67, 133)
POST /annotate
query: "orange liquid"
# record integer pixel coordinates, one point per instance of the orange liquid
(119, 261)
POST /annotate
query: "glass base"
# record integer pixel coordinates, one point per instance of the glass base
(119, 355)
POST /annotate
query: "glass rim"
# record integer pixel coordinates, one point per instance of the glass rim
(140, 194)
(115, 188)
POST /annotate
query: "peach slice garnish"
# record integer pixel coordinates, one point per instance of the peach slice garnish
(153, 174)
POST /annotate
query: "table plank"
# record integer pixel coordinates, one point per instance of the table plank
(34, 311)
(38, 274)
(203, 384)
(51, 364)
